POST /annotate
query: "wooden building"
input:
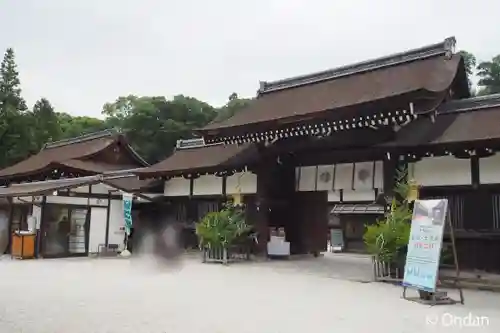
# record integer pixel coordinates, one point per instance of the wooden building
(332, 141)
(72, 190)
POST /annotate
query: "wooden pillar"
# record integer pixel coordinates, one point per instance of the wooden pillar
(261, 221)
(41, 232)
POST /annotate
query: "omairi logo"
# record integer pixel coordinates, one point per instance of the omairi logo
(452, 320)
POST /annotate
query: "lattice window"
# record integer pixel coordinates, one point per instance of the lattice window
(496, 211)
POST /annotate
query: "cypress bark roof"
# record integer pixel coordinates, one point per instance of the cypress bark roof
(75, 153)
(431, 69)
(206, 158)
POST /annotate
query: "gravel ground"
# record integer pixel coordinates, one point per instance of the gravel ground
(313, 295)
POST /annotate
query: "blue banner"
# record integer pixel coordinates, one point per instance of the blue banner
(424, 246)
(127, 211)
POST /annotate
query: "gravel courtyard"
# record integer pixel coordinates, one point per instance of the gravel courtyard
(314, 295)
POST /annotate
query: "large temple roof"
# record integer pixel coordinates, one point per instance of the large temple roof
(201, 159)
(428, 71)
(78, 154)
(466, 121)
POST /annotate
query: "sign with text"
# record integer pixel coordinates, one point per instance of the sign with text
(127, 211)
(424, 246)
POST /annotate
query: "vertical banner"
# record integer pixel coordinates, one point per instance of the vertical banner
(424, 246)
(127, 211)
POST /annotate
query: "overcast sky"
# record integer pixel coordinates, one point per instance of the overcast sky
(82, 53)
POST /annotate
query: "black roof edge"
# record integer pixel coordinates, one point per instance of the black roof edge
(470, 104)
(445, 47)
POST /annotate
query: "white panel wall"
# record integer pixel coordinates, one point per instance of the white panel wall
(325, 177)
(441, 171)
(489, 170)
(367, 176)
(379, 175)
(101, 188)
(245, 182)
(333, 196)
(117, 224)
(358, 195)
(37, 214)
(306, 177)
(76, 201)
(97, 234)
(81, 189)
(363, 177)
(36, 199)
(177, 186)
(343, 176)
(207, 185)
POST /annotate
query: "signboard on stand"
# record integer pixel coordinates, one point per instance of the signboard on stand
(424, 246)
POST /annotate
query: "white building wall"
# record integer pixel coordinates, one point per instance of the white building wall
(441, 171)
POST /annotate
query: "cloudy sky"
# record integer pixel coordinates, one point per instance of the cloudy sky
(82, 53)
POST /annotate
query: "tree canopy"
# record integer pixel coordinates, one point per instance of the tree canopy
(152, 124)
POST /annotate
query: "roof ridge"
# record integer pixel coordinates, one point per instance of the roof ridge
(81, 138)
(445, 47)
(470, 104)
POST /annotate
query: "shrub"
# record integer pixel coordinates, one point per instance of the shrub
(222, 229)
(388, 238)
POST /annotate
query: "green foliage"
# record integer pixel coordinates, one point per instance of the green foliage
(389, 237)
(489, 76)
(222, 229)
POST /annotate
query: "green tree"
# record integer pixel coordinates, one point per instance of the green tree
(15, 139)
(153, 124)
(47, 123)
(470, 64)
(232, 107)
(10, 90)
(489, 76)
(76, 126)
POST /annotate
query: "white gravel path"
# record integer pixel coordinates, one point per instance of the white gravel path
(113, 295)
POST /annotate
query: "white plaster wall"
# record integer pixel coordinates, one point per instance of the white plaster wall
(207, 185)
(76, 201)
(489, 170)
(245, 182)
(441, 171)
(177, 186)
(97, 233)
(117, 224)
